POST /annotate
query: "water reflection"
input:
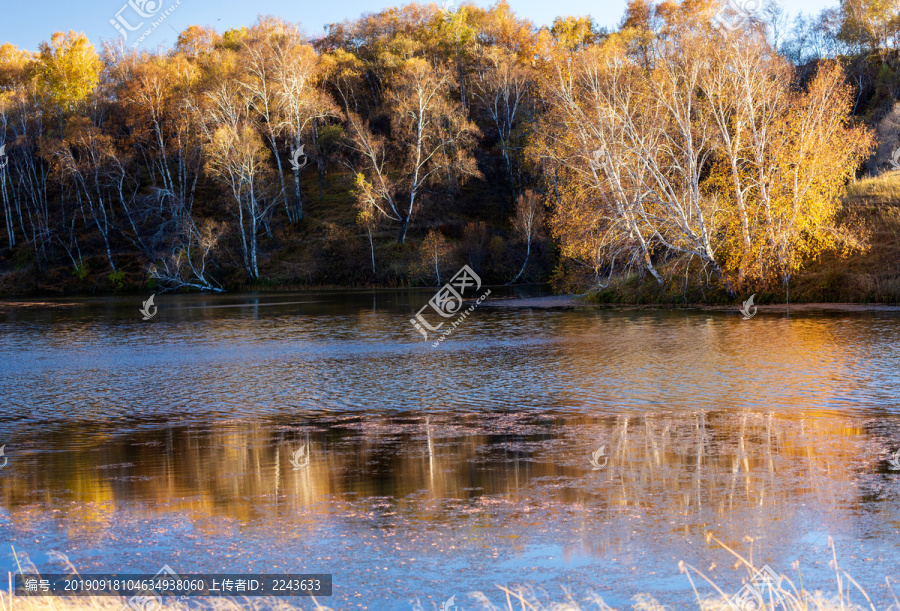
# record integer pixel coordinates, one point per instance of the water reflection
(129, 441)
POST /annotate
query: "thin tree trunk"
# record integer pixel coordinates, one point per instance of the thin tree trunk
(437, 270)
(527, 254)
(298, 206)
(403, 225)
(7, 209)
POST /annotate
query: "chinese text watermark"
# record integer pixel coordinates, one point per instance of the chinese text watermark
(448, 302)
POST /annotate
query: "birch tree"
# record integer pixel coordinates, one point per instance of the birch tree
(301, 103)
(430, 134)
(259, 75)
(710, 157)
(503, 88)
(191, 255)
(237, 158)
(528, 223)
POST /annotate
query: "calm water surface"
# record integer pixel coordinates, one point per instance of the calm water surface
(443, 471)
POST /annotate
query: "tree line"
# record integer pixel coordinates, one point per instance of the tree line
(668, 147)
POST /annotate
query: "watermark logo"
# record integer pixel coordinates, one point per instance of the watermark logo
(448, 301)
(295, 159)
(146, 310)
(746, 309)
(5, 459)
(894, 462)
(4, 159)
(736, 13)
(757, 595)
(895, 159)
(447, 6)
(140, 9)
(449, 604)
(300, 458)
(148, 599)
(140, 602)
(596, 456)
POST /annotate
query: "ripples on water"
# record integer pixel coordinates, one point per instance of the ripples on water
(133, 444)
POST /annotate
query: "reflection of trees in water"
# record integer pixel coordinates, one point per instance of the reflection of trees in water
(723, 461)
(687, 469)
(733, 475)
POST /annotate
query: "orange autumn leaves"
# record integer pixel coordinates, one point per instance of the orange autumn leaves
(696, 149)
(666, 148)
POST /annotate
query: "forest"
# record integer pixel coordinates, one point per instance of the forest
(673, 153)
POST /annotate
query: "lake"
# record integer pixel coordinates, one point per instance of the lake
(577, 448)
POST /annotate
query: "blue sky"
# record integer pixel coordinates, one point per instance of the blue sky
(26, 23)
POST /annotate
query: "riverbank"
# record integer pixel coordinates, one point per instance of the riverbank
(540, 303)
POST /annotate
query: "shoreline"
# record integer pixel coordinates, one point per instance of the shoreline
(546, 302)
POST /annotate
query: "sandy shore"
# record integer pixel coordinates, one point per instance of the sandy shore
(570, 301)
(553, 301)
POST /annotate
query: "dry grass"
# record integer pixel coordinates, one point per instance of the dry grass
(115, 603)
(870, 276)
(785, 597)
(511, 600)
(885, 186)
